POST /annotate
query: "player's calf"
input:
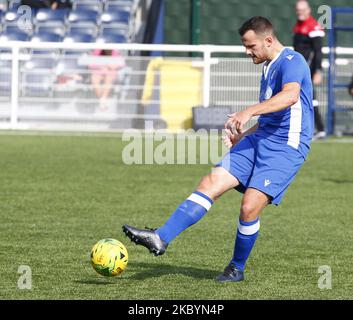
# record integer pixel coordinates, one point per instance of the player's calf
(188, 213)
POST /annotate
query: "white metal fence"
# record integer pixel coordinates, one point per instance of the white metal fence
(49, 85)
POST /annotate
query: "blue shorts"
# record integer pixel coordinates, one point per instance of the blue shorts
(263, 165)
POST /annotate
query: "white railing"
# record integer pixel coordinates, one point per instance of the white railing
(214, 76)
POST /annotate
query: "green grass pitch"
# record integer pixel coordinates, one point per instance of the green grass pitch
(61, 194)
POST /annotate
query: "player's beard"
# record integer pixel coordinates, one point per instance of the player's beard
(256, 60)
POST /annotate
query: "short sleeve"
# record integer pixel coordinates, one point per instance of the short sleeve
(293, 69)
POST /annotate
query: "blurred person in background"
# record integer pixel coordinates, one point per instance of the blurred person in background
(104, 75)
(350, 88)
(60, 4)
(308, 34)
(3, 6)
(53, 4)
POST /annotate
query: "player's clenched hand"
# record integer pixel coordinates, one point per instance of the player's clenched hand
(237, 121)
(230, 139)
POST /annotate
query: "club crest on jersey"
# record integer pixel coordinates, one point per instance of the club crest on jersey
(268, 93)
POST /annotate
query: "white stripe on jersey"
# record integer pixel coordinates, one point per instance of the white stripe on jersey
(267, 66)
(295, 125)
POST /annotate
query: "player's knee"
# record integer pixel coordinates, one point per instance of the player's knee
(208, 181)
(248, 211)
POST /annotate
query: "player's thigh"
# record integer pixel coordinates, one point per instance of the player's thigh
(240, 160)
(253, 202)
(276, 167)
(217, 182)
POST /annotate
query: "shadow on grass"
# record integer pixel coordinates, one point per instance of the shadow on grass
(142, 271)
(339, 181)
(99, 282)
(145, 270)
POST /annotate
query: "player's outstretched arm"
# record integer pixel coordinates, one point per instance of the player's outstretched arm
(288, 96)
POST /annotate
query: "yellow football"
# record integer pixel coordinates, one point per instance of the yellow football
(109, 257)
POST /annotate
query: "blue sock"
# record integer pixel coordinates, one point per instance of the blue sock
(246, 236)
(188, 213)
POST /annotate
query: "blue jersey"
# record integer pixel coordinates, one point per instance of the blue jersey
(293, 125)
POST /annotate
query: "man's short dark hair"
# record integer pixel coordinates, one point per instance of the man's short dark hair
(259, 25)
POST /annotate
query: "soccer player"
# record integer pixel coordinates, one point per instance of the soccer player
(308, 36)
(263, 160)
